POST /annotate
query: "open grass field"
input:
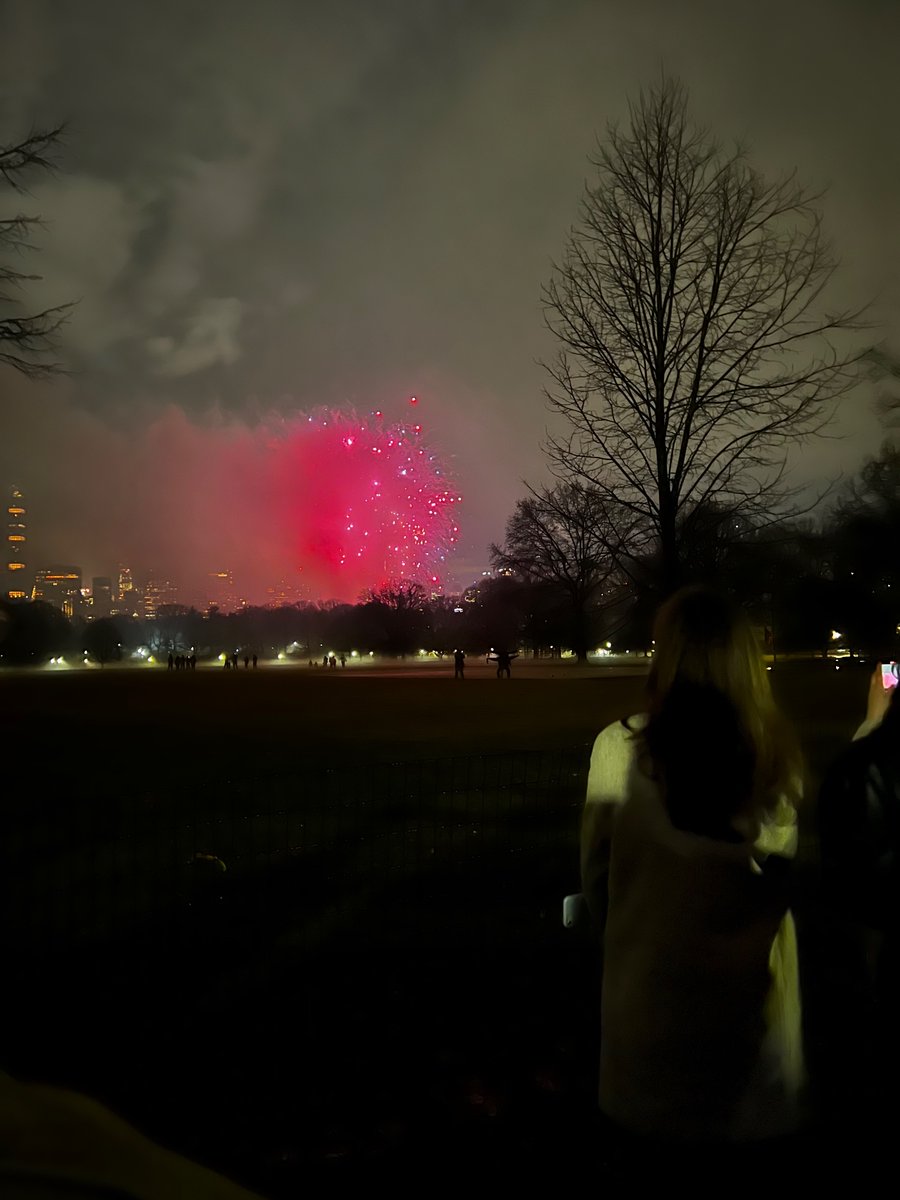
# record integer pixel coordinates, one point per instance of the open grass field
(291, 715)
(286, 713)
(380, 972)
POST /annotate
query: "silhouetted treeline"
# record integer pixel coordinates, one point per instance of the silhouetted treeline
(801, 582)
(501, 613)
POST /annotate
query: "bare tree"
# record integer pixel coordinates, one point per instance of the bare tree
(692, 349)
(26, 339)
(404, 595)
(401, 606)
(885, 368)
(875, 492)
(561, 537)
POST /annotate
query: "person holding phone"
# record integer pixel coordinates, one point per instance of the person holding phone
(859, 837)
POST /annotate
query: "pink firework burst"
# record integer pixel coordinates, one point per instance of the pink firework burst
(370, 502)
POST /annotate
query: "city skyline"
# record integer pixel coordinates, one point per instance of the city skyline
(200, 583)
(143, 591)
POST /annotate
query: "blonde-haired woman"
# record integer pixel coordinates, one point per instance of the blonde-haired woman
(689, 823)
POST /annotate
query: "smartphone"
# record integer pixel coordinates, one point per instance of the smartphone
(889, 675)
(574, 908)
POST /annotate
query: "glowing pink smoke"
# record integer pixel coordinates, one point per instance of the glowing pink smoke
(368, 502)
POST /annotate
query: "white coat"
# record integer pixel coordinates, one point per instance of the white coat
(700, 1005)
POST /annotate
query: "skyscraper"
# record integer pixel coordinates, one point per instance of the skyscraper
(222, 593)
(126, 583)
(15, 584)
(127, 599)
(101, 596)
(284, 593)
(59, 585)
(159, 592)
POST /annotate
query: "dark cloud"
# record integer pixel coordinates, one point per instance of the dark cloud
(282, 205)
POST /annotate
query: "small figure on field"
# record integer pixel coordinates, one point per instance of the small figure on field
(503, 659)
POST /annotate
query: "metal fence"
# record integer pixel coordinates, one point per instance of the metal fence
(355, 848)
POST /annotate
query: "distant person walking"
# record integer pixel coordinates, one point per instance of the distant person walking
(459, 664)
(171, 661)
(193, 662)
(343, 660)
(503, 659)
(246, 661)
(324, 660)
(255, 661)
(234, 660)
(688, 831)
(332, 662)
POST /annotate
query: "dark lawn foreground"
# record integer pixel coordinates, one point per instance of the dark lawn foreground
(291, 922)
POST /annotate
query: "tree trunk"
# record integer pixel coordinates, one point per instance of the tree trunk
(670, 578)
(579, 628)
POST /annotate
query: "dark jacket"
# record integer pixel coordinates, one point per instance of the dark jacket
(859, 832)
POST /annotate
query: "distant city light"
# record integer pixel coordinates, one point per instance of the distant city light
(835, 636)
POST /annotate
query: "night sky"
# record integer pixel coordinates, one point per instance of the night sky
(267, 207)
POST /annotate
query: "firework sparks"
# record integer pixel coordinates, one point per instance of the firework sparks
(370, 502)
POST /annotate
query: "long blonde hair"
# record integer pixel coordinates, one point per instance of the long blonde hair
(714, 739)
